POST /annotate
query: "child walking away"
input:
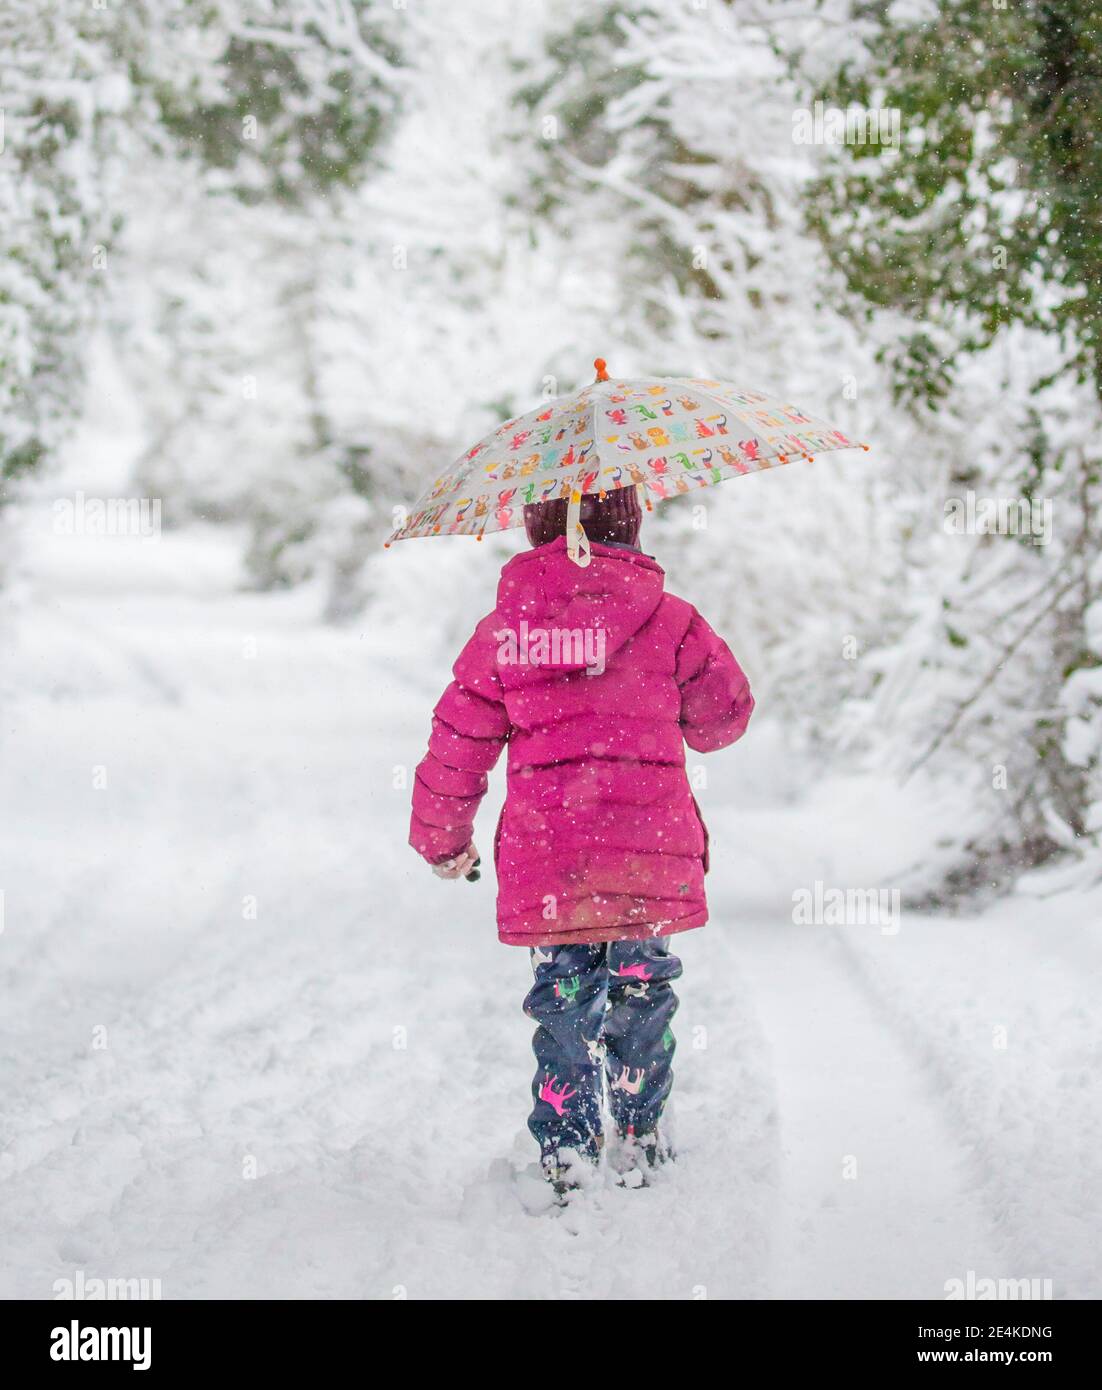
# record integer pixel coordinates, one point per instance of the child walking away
(596, 678)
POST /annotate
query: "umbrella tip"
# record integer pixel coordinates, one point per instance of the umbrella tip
(601, 368)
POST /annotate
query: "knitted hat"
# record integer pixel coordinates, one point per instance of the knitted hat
(615, 517)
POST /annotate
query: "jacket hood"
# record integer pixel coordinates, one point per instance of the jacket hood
(566, 609)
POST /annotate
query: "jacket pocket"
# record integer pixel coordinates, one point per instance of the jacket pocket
(705, 858)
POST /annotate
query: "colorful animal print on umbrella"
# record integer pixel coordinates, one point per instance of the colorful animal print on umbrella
(670, 435)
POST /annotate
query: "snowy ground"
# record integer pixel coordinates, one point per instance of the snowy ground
(849, 1124)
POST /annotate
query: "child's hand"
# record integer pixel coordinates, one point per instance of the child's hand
(458, 867)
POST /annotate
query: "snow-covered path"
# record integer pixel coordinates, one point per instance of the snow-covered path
(875, 1198)
(251, 1047)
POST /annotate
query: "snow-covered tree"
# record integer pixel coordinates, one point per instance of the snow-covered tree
(62, 109)
(238, 220)
(974, 247)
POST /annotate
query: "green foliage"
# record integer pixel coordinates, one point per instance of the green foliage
(52, 213)
(313, 131)
(987, 217)
(918, 368)
(990, 212)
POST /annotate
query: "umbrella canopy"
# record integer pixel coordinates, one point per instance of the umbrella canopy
(666, 435)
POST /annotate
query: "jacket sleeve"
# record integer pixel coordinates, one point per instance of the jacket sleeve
(716, 703)
(469, 730)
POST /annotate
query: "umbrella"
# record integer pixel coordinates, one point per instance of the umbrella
(664, 435)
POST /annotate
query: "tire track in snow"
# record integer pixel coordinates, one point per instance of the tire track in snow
(852, 1100)
(1028, 1152)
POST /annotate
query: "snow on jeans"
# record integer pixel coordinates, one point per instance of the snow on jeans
(600, 1008)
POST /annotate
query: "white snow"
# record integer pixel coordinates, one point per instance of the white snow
(358, 1042)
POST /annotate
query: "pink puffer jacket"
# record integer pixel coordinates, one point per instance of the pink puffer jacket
(594, 677)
